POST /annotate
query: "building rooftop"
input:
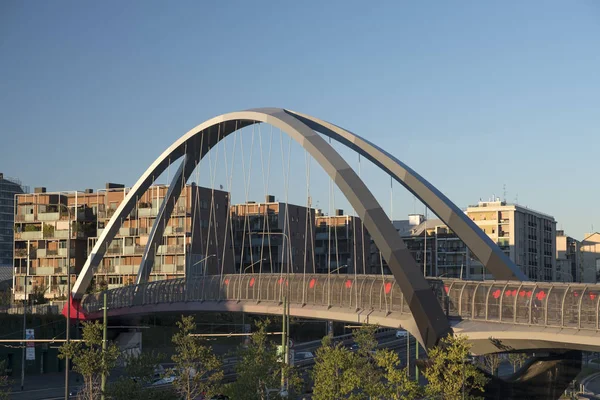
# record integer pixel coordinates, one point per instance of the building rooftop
(499, 204)
(429, 224)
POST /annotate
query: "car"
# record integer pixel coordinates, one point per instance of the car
(164, 380)
(401, 333)
(303, 355)
(354, 347)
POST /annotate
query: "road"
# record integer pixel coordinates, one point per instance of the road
(47, 386)
(51, 386)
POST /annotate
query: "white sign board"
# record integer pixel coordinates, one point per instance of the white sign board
(30, 348)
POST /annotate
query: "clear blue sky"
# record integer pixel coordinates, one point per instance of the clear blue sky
(473, 95)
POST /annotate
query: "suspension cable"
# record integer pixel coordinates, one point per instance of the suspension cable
(228, 221)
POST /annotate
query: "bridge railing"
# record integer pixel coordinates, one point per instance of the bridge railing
(372, 292)
(561, 305)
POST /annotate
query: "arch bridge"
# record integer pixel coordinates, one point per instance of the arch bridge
(410, 299)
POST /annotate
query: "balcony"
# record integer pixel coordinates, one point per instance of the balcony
(48, 216)
(31, 235)
(181, 210)
(114, 250)
(170, 249)
(166, 268)
(127, 231)
(22, 253)
(147, 212)
(174, 230)
(43, 271)
(25, 218)
(125, 269)
(63, 234)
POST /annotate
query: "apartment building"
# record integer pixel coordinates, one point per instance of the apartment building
(272, 236)
(438, 251)
(41, 241)
(9, 187)
(190, 243)
(526, 236)
(405, 229)
(590, 254)
(342, 244)
(569, 259)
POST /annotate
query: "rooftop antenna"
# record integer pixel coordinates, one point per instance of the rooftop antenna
(504, 190)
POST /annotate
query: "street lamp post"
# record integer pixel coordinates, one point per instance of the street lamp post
(67, 333)
(253, 264)
(338, 268)
(285, 313)
(204, 259)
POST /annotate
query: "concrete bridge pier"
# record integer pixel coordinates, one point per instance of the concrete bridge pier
(541, 378)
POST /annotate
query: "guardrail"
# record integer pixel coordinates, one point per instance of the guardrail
(563, 305)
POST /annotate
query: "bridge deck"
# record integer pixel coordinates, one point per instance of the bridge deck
(506, 309)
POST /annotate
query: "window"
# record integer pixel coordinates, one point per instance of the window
(114, 280)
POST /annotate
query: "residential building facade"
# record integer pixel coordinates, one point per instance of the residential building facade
(342, 244)
(9, 187)
(42, 255)
(272, 236)
(526, 236)
(569, 259)
(192, 241)
(590, 252)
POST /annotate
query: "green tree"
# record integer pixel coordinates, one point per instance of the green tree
(139, 372)
(491, 362)
(378, 371)
(370, 376)
(198, 371)
(334, 374)
(89, 360)
(4, 382)
(259, 369)
(517, 360)
(448, 370)
(38, 296)
(397, 384)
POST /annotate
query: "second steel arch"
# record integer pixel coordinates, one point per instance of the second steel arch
(430, 319)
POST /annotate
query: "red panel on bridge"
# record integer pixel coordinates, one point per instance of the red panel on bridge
(388, 287)
(76, 311)
(251, 282)
(312, 283)
(497, 293)
(348, 284)
(541, 295)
